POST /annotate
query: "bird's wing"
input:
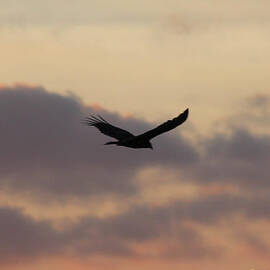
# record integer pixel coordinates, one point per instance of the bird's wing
(106, 128)
(170, 124)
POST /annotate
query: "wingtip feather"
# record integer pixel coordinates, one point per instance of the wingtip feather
(186, 113)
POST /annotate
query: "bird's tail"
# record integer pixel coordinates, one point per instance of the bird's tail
(110, 143)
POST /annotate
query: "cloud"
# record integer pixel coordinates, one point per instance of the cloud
(240, 154)
(46, 149)
(46, 153)
(240, 158)
(143, 225)
(62, 12)
(22, 237)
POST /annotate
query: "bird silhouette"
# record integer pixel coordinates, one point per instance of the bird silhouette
(125, 138)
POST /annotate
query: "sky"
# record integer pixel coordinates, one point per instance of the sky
(199, 200)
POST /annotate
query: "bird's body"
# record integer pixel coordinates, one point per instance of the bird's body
(133, 142)
(125, 138)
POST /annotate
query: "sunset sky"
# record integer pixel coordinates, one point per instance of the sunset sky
(200, 200)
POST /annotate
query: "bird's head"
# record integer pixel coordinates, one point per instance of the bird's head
(150, 146)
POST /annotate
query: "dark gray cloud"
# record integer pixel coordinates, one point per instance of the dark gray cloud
(24, 238)
(46, 151)
(45, 148)
(240, 145)
(21, 236)
(240, 158)
(142, 224)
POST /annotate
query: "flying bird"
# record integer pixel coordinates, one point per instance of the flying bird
(125, 138)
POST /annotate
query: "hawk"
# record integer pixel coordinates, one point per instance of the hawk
(127, 139)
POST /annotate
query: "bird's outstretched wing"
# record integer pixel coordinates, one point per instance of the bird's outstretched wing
(106, 128)
(170, 124)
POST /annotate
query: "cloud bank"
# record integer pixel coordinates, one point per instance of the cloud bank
(47, 154)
